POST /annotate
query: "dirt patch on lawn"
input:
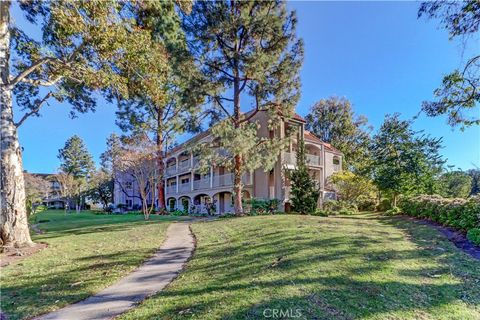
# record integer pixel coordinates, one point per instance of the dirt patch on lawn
(13, 255)
(458, 238)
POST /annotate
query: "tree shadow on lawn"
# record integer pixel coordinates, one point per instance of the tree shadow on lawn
(286, 271)
(110, 227)
(50, 291)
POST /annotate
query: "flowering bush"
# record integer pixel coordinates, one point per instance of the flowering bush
(456, 213)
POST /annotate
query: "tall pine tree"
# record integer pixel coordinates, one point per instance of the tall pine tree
(304, 191)
(248, 50)
(83, 47)
(77, 162)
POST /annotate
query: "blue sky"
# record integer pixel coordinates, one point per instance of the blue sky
(376, 54)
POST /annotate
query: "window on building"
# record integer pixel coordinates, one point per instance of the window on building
(128, 203)
(128, 185)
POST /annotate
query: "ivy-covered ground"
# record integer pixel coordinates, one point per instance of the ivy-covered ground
(364, 266)
(86, 252)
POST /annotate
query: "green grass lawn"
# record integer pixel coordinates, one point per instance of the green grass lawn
(86, 253)
(347, 267)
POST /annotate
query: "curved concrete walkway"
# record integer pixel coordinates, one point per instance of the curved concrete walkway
(146, 280)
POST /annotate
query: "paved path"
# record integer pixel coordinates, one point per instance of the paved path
(146, 280)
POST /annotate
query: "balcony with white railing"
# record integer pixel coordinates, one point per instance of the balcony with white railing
(184, 165)
(170, 171)
(290, 158)
(313, 160)
(201, 184)
(185, 187)
(196, 161)
(223, 180)
(336, 167)
(171, 189)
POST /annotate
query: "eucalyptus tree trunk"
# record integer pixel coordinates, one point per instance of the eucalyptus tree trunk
(13, 217)
(160, 164)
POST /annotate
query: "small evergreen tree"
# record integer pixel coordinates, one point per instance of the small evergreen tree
(304, 190)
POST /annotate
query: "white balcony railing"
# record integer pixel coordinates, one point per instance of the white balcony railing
(228, 179)
(247, 179)
(313, 160)
(184, 187)
(336, 167)
(171, 170)
(196, 161)
(184, 165)
(223, 180)
(171, 189)
(201, 184)
(290, 158)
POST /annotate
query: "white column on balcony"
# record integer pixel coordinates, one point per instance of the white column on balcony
(191, 180)
(176, 186)
(211, 176)
(191, 160)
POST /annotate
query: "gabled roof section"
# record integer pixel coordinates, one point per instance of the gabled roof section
(298, 117)
(312, 137)
(205, 133)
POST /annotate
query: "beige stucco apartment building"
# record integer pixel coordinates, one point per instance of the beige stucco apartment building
(187, 189)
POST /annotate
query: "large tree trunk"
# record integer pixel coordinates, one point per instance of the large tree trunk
(13, 217)
(160, 165)
(237, 171)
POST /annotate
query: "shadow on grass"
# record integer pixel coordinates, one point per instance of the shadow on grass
(255, 270)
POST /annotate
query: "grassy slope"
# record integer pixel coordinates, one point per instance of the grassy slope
(355, 267)
(86, 253)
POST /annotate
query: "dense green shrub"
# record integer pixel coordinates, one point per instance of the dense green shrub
(474, 235)
(384, 205)
(262, 206)
(320, 213)
(393, 211)
(339, 206)
(456, 213)
(366, 203)
(178, 213)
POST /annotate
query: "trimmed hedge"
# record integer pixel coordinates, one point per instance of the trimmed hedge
(474, 235)
(460, 214)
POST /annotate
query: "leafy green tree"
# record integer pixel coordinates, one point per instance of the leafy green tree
(246, 49)
(460, 90)
(304, 191)
(351, 187)
(404, 161)
(36, 188)
(100, 188)
(77, 162)
(83, 47)
(455, 184)
(334, 121)
(475, 175)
